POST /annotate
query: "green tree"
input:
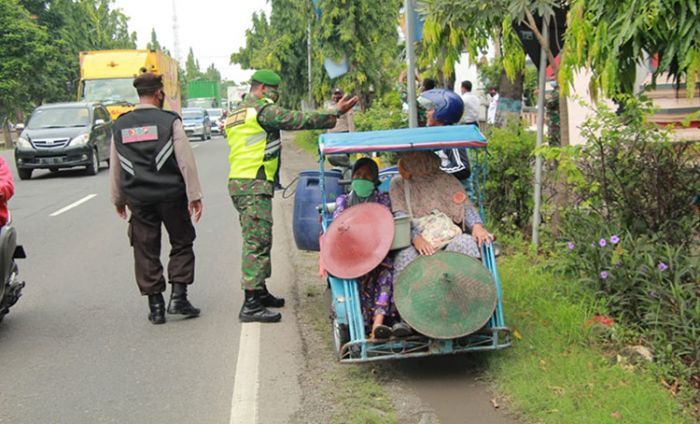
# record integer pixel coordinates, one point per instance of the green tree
(73, 26)
(610, 38)
(153, 44)
(458, 25)
(280, 43)
(363, 30)
(105, 28)
(212, 74)
(192, 70)
(19, 34)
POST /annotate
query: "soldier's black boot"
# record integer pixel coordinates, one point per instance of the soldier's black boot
(157, 305)
(269, 300)
(179, 304)
(254, 311)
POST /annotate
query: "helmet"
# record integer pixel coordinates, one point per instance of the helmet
(447, 105)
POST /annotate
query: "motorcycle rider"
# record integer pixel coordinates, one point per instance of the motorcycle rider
(7, 189)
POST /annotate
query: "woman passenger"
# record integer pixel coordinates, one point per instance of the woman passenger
(376, 287)
(432, 189)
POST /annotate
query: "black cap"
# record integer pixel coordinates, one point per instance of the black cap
(148, 82)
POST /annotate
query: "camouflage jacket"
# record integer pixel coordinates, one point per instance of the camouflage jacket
(273, 119)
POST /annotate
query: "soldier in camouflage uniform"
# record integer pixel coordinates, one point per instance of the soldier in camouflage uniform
(253, 133)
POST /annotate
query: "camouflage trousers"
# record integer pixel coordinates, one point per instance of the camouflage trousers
(255, 216)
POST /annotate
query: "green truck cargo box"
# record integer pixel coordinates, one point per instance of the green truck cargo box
(203, 93)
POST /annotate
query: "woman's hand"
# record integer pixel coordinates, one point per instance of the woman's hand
(422, 246)
(480, 234)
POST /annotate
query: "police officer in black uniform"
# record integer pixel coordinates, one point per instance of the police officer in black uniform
(154, 174)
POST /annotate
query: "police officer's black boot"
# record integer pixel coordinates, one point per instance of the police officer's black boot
(254, 311)
(179, 304)
(269, 300)
(157, 305)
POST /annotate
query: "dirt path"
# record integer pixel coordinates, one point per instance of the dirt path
(423, 391)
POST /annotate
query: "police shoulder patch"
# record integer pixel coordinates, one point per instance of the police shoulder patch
(138, 134)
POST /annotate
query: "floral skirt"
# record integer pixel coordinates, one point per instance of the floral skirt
(377, 294)
(463, 243)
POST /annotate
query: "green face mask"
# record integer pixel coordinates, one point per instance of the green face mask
(362, 188)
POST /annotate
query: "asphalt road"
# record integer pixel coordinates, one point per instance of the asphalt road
(77, 348)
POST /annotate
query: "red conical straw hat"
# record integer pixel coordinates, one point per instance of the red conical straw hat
(358, 240)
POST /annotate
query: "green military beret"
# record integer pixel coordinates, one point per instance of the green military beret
(267, 77)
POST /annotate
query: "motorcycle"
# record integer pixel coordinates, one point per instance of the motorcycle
(10, 285)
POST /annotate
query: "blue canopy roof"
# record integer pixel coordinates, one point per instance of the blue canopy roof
(426, 138)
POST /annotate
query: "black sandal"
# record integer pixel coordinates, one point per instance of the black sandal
(401, 329)
(382, 332)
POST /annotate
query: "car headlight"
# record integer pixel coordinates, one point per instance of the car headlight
(80, 140)
(23, 143)
(199, 126)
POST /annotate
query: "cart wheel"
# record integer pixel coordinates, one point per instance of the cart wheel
(341, 335)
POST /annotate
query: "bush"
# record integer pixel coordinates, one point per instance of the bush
(510, 174)
(630, 235)
(381, 116)
(648, 284)
(630, 173)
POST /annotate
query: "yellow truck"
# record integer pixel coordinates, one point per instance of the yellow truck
(107, 75)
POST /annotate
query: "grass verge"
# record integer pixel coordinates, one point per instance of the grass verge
(354, 390)
(555, 373)
(308, 141)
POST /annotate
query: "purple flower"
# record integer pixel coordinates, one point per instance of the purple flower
(614, 239)
(604, 275)
(602, 242)
(570, 245)
(662, 266)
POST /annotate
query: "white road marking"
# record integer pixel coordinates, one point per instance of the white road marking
(244, 403)
(74, 204)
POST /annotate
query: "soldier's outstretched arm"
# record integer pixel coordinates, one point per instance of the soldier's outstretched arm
(276, 117)
(279, 118)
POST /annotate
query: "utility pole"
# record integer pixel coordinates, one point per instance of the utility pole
(308, 60)
(411, 61)
(176, 36)
(536, 218)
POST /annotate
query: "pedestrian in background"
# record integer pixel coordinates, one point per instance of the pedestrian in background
(472, 103)
(344, 123)
(153, 173)
(253, 133)
(493, 106)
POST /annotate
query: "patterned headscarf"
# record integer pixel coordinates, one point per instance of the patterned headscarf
(430, 188)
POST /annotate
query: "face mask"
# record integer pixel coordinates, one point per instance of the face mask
(362, 188)
(272, 94)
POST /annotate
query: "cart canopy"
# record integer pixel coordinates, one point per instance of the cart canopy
(426, 138)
